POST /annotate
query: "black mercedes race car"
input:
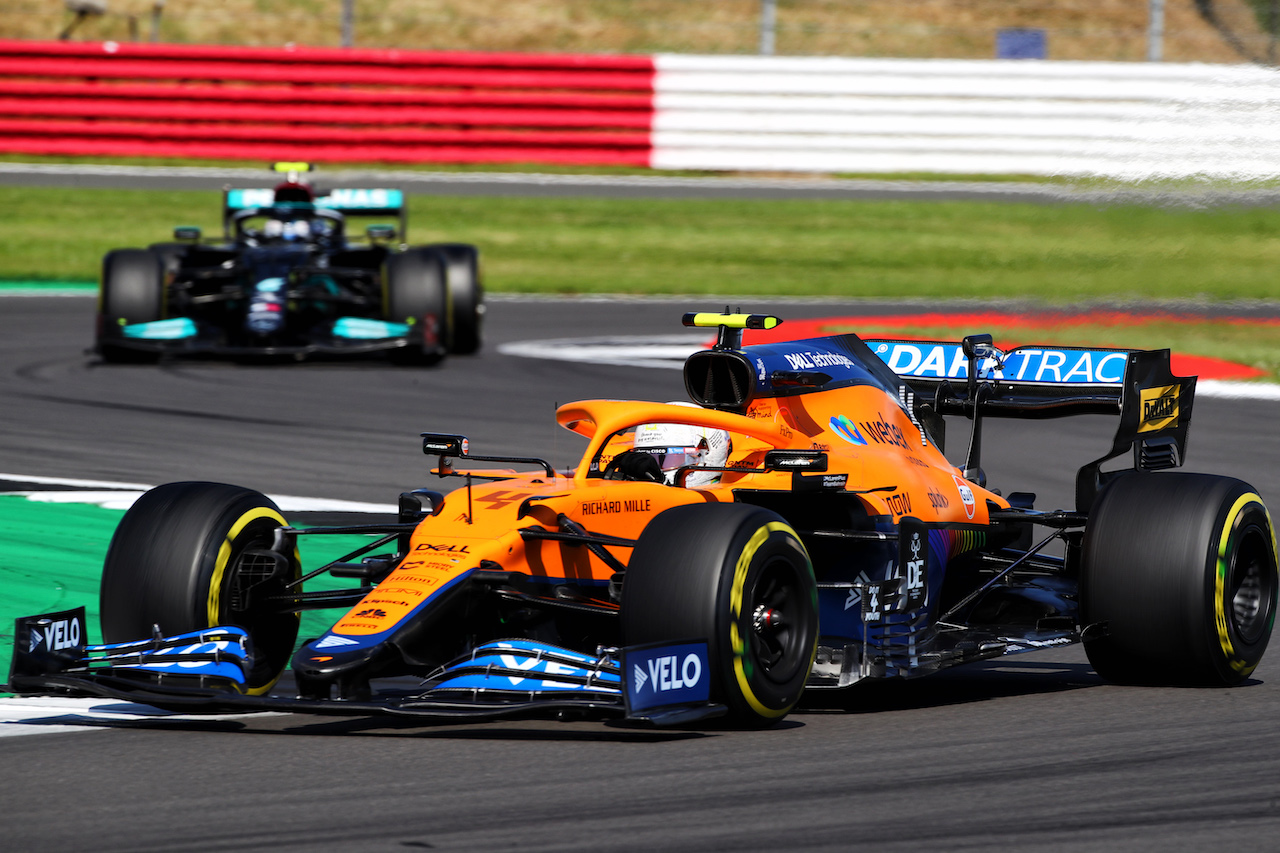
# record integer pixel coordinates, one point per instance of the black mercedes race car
(286, 278)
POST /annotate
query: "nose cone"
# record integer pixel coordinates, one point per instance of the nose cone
(336, 660)
(266, 307)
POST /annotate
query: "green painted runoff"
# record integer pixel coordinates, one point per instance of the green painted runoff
(51, 559)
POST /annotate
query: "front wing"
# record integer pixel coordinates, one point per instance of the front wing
(186, 336)
(208, 671)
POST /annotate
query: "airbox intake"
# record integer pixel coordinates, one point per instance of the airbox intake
(719, 379)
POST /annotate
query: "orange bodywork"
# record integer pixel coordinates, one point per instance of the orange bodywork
(883, 456)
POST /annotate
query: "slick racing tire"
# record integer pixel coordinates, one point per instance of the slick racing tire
(466, 296)
(178, 560)
(738, 577)
(414, 293)
(132, 291)
(1178, 580)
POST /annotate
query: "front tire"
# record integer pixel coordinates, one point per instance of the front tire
(1179, 573)
(178, 560)
(414, 293)
(132, 291)
(738, 577)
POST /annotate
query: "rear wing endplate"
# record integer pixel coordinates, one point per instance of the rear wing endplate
(1155, 414)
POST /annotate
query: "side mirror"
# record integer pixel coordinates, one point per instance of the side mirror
(444, 445)
(978, 346)
(796, 460)
(381, 232)
(186, 232)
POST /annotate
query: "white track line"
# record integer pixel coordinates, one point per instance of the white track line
(69, 481)
(661, 351)
(39, 715)
(114, 495)
(1237, 390)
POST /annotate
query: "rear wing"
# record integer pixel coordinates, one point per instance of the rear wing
(1032, 381)
(373, 201)
(1154, 406)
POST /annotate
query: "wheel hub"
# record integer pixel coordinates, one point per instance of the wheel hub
(765, 618)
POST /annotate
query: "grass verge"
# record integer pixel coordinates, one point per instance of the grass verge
(899, 250)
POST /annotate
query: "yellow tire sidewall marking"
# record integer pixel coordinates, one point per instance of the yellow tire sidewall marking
(736, 641)
(1220, 579)
(220, 570)
(224, 556)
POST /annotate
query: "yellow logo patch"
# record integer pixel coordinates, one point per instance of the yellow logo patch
(1159, 408)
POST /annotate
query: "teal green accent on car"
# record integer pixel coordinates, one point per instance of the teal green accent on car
(162, 330)
(364, 329)
(362, 199)
(241, 199)
(352, 200)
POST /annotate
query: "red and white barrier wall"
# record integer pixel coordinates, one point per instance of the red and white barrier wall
(323, 104)
(1129, 120)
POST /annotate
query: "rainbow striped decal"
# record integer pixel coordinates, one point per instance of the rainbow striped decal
(948, 544)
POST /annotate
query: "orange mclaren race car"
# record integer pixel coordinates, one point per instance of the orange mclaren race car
(798, 528)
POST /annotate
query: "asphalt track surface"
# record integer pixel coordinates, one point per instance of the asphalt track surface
(657, 185)
(1028, 753)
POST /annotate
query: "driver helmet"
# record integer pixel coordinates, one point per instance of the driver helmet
(288, 223)
(294, 191)
(678, 445)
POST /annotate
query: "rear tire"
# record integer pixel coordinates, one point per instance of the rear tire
(178, 561)
(466, 296)
(717, 572)
(1182, 569)
(414, 293)
(132, 291)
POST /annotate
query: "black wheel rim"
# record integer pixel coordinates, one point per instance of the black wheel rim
(251, 599)
(778, 624)
(1251, 585)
